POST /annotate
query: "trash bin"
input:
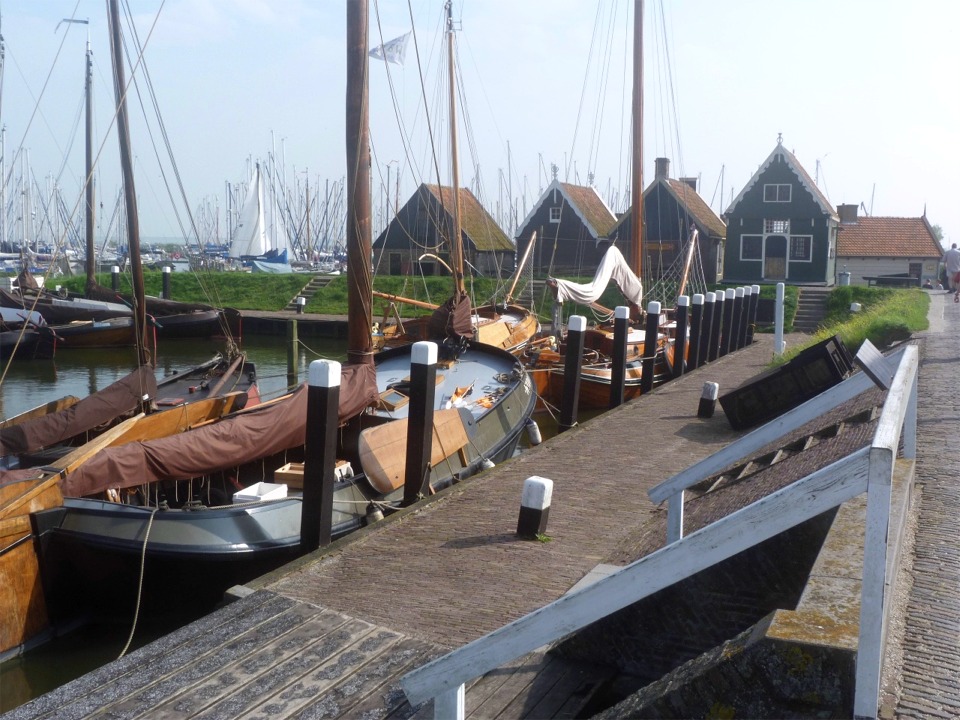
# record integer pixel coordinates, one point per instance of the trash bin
(844, 278)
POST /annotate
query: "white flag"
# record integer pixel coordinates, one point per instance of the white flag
(393, 51)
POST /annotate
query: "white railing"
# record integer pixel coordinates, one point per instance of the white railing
(869, 469)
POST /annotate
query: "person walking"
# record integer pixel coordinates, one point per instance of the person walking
(951, 262)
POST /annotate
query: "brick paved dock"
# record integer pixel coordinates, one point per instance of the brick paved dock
(331, 634)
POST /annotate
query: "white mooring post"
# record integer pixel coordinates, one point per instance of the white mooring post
(534, 506)
(778, 344)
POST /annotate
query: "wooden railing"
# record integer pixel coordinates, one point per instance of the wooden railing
(869, 469)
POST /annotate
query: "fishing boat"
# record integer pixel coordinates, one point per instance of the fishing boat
(177, 526)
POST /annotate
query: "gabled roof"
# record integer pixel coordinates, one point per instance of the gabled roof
(690, 199)
(780, 152)
(888, 237)
(475, 222)
(585, 202)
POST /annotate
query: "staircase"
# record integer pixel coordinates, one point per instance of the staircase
(310, 289)
(811, 309)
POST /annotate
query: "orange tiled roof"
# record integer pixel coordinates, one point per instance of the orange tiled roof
(888, 237)
(591, 208)
(691, 200)
(475, 221)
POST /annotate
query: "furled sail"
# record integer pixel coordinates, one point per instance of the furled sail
(614, 267)
(260, 229)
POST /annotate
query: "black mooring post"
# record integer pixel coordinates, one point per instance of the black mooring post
(166, 282)
(706, 330)
(618, 372)
(115, 278)
(423, 394)
(651, 331)
(726, 332)
(680, 339)
(293, 353)
(576, 327)
(738, 320)
(697, 340)
(717, 325)
(745, 317)
(754, 305)
(320, 454)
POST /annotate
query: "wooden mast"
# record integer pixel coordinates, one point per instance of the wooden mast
(456, 239)
(91, 265)
(129, 191)
(360, 285)
(636, 182)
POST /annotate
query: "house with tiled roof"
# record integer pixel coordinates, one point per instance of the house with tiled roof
(422, 225)
(872, 247)
(570, 221)
(672, 209)
(781, 227)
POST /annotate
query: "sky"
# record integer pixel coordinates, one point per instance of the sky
(863, 92)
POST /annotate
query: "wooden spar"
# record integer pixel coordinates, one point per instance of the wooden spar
(360, 287)
(456, 240)
(91, 265)
(688, 262)
(636, 182)
(129, 191)
(523, 262)
(405, 301)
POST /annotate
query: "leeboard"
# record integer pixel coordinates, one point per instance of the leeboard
(383, 449)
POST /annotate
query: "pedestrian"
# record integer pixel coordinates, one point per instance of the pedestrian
(951, 262)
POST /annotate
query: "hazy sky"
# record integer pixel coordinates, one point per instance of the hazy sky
(864, 92)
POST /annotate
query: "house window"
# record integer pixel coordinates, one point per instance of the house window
(778, 227)
(801, 248)
(751, 247)
(555, 214)
(776, 193)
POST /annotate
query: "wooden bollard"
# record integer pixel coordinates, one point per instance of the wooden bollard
(708, 400)
(696, 332)
(745, 317)
(726, 332)
(320, 454)
(423, 394)
(717, 327)
(165, 293)
(293, 353)
(680, 339)
(618, 371)
(738, 322)
(754, 306)
(115, 278)
(534, 507)
(709, 314)
(650, 334)
(576, 327)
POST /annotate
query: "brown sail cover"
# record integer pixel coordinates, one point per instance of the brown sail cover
(232, 441)
(102, 407)
(452, 319)
(155, 306)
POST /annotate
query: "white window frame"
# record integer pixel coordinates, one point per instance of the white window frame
(809, 257)
(777, 192)
(555, 213)
(776, 227)
(759, 239)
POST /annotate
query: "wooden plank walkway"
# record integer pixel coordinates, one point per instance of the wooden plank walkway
(331, 634)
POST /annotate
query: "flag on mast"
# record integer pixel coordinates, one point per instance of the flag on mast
(393, 51)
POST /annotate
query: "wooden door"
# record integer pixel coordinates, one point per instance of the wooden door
(775, 258)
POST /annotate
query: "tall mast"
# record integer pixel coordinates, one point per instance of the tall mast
(88, 90)
(636, 181)
(360, 287)
(129, 191)
(456, 241)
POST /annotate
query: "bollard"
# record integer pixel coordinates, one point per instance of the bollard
(534, 507)
(576, 327)
(726, 332)
(651, 333)
(706, 331)
(618, 371)
(754, 306)
(320, 454)
(165, 293)
(738, 322)
(717, 326)
(708, 400)
(680, 339)
(744, 318)
(293, 353)
(423, 393)
(301, 304)
(778, 343)
(697, 343)
(115, 277)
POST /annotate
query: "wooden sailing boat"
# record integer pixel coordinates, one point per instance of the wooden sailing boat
(507, 325)
(182, 483)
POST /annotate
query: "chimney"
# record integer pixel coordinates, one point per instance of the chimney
(662, 168)
(848, 214)
(691, 181)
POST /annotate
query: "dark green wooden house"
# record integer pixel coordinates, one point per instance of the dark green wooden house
(781, 227)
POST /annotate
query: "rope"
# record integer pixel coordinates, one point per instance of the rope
(143, 564)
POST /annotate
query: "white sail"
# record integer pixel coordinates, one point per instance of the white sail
(261, 228)
(613, 266)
